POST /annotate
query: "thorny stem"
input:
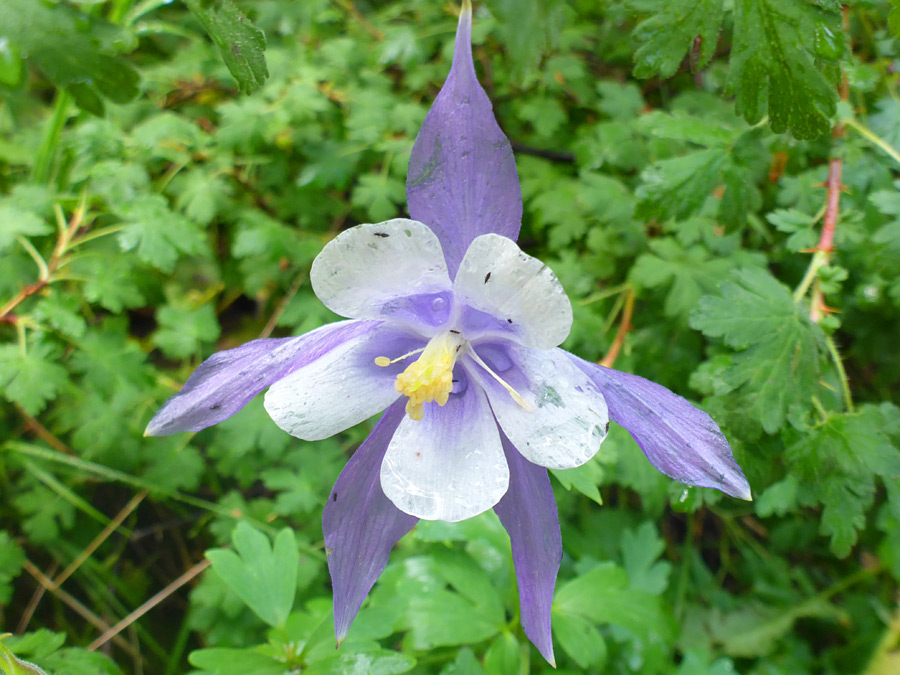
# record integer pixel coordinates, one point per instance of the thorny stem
(624, 327)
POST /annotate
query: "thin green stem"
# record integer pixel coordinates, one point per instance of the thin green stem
(605, 293)
(96, 234)
(43, 270)
(873, 138)
(819, 260)
(47, 151)
(839, 364)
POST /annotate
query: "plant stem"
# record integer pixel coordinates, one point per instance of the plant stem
(47, 151)
(874, 139)
(839, 364)
(624, 327)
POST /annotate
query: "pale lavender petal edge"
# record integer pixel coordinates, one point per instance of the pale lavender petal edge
(462, 180)
(528, 512)
(679, 439)
(360, 524)
(224, 383)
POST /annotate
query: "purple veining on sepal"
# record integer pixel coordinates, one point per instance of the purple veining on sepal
(226, 381)
(462, 180)
(361, 525)
(679, 439)
(528, 512)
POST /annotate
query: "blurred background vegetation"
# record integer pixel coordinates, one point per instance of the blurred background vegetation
(168, 172)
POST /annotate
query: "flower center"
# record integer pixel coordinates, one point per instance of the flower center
(430, 377)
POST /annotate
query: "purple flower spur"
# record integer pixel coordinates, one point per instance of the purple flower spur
(453, 331)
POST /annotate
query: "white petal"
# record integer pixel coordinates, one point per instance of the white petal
(368, 266)
(497, 278)
(568, 419)
(339, 389)
(448, 466)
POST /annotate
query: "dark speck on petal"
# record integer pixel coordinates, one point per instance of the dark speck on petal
(382, 234)
(487, 277)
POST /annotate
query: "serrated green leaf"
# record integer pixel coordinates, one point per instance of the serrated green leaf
(671, 32)
(50, 36)
(779, 346)
(158, 234)
(182, 330)
(31, 377)
(677, 188)
(241, 44)
(775, 64)
(17, 222)
(12, 558)
(689, 273)
(379, 195)
(265, 577)
(641, 549)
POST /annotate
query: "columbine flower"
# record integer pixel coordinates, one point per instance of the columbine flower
(453, 331)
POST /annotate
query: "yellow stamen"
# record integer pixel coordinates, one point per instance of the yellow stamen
(430, 377)
(516, 396)
(384, 361)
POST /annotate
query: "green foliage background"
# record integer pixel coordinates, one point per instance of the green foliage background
(169, 170)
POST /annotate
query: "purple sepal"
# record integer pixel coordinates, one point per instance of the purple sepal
(679, 439)
(528, 512)
(226, 381)
(361, 525)
(462, 179)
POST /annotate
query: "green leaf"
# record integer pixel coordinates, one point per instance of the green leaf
(55, 39)
(888, 203)
(241, 44)
(183, 330)
(604, 595)
(262, 576)
(837, 461)
(31, 377)
(580, 639)
(12, 559)
(754, 629)
(586, 479)
(157, 233)
(503, 655)
(776, 64)
(641, 549)
(14, 666)
(379, 195)
(671, 32)
(19, 223)
(528, 29)
(677, 188)
(224, 661)
(778, 499)
(779, 347)
(689, 273)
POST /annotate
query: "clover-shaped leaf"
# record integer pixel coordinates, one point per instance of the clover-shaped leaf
(265, 578)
